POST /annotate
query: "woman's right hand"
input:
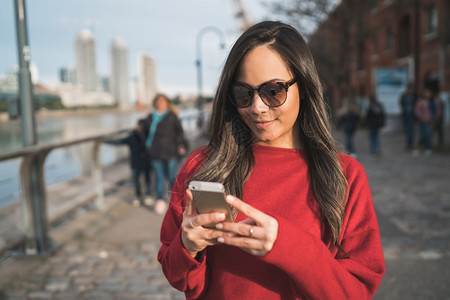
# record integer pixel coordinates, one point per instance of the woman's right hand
(194, 236)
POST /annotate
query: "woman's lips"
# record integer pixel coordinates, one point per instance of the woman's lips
(262, 124)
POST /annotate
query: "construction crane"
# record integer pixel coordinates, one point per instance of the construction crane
(241, 15)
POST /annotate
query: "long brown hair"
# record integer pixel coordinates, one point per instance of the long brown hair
(229, 155)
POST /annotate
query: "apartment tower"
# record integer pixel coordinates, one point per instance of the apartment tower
(86, 74)
(119, 72)
(146, 81)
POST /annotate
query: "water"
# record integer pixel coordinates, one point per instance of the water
(63, 164)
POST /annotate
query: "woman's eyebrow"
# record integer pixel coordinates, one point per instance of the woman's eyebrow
(271, 80)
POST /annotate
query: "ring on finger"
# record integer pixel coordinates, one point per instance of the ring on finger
(250, 233)
(192, 225)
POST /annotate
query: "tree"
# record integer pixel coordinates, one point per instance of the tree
(305, 15)
(335, 31)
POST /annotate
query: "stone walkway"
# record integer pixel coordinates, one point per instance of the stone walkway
(112, 254)
(411, 193)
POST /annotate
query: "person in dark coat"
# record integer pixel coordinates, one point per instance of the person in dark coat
(407, 104)
(375, 119)
(349, 121)
(139, 161)
(165, 143)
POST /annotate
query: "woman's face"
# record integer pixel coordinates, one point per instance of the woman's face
(271, 126)
(161, 104)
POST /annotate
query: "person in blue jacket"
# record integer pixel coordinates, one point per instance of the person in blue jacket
(139, 162)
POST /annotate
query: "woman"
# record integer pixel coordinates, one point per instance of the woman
(305, 224)
(165, 142)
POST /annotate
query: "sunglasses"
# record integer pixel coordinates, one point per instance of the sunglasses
(272, 93)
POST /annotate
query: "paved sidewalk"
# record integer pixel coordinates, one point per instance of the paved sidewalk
(411, 194)
(112, 255)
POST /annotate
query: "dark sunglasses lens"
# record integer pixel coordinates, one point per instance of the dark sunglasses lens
(242, 96)
(273, 93)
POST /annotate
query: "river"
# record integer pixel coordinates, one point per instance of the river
(66, 163)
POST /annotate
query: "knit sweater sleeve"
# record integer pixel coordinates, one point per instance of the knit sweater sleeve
(323, 274)
(181, 270)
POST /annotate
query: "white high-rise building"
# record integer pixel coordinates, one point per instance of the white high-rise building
(86, 72)
(118, 81)
(146, 81)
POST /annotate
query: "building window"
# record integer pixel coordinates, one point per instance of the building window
(432, 19)
(404, 47)
(389, 39)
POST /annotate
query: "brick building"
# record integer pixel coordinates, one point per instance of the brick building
(378, 46)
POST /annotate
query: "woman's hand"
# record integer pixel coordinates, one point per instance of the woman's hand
(194, 236)
(256, 234)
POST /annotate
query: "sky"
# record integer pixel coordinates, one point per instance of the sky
(167, 30)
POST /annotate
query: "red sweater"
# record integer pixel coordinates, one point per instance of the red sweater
(300, 264)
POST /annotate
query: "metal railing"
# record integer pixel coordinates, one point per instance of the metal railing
(36, 239)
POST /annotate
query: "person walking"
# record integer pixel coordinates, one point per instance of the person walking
(437, 121)
(349, 121)
(423, 114)
(139, 162)
(407, 103)
(165, 143)
(305, 224)
(375, 119)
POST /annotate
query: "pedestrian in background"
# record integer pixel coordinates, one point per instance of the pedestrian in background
(306, 226)
(349, 119)
(407, 103)
(139, 162)
(165, 143)
(423, 114)
(437, 120)
(375, 120)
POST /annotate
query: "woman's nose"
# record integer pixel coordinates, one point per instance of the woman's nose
(258, 106)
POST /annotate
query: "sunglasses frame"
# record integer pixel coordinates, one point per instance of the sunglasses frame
(286, 85)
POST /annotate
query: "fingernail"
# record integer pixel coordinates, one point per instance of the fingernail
(219, 225)
(230, 198)
(220, 239)
(220, 216)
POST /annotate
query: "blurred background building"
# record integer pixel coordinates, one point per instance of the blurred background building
(377, 47)
(86, 72)
(67, 75)
(146, 80)
(118, 83)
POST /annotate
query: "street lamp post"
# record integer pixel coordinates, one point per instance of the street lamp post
(198, 62)
(37, 240)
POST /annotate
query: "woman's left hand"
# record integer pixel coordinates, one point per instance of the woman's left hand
(256, 234)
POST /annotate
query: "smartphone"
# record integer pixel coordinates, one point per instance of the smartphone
(209, 197)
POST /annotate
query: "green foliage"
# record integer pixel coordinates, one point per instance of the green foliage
(40, 100)
(47, 101)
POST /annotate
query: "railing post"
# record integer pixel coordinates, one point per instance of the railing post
(97, 175)
(37, 240)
